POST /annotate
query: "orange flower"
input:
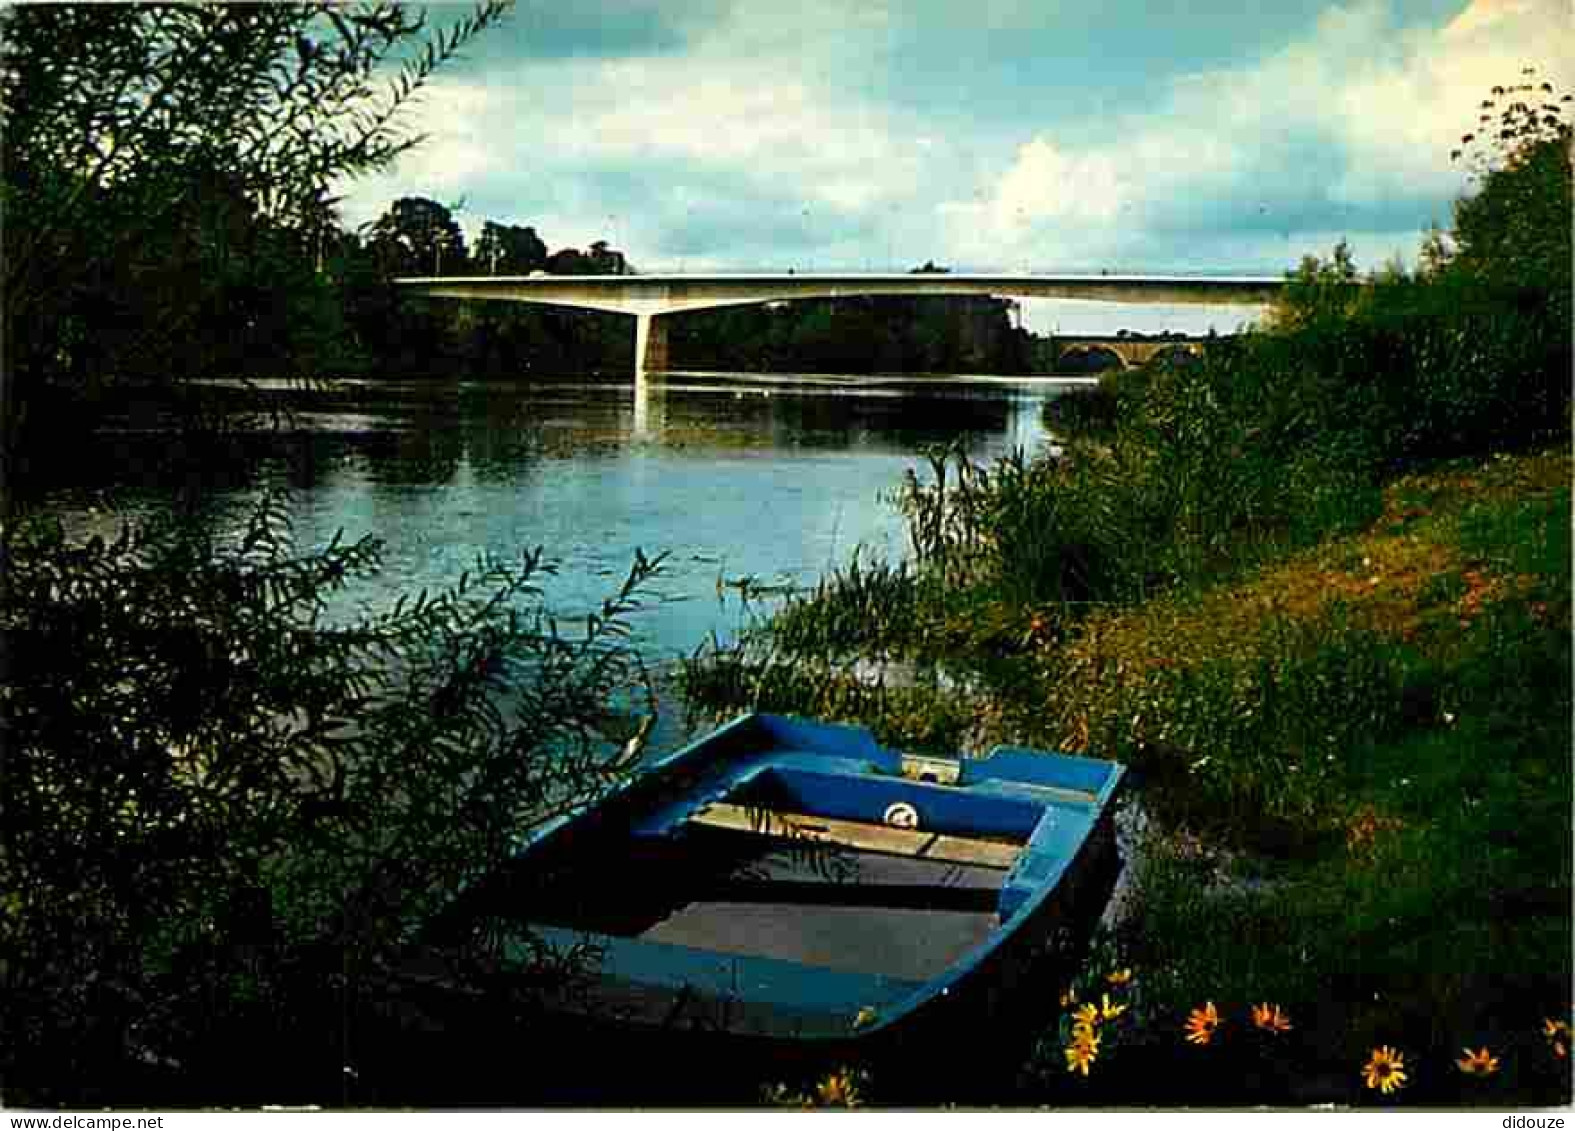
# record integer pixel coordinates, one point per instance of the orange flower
(1479, 1063)
(1119, 977)
(1201, 1024)
(840, 1089)
(1082, 1052)
(1270, 1017)
(1385, 1070)
(1558, 1035)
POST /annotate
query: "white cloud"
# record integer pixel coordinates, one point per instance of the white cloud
(1046, 183)
(756, 144)
(1402, 121)
(845, 156)
(742, 109)
(1353, 125)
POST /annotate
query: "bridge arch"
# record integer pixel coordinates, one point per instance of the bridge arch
(1174, 353)
(1071, 354)
(1080, 358)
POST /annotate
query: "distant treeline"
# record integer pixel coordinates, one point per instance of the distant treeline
(396, 334)
(404, 335)
(857, 335)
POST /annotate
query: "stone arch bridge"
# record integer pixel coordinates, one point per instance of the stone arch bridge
(652, 299)
(1086, 351)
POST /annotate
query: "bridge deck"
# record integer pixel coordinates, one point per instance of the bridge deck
(650, 297)
(665, 294)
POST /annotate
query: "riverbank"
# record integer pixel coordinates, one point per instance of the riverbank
(1353, 763)
(1357, 764)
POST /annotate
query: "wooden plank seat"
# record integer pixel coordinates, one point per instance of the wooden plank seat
(866, 836)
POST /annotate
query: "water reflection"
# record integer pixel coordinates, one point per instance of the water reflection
(824, 411)
(770, 477)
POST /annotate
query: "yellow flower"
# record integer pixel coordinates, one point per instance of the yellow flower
(1082, 1052)
(1087, 1016)
(1119, 977)
(1109, 1010)
(1270, 1017)
(1385, 1070)
(1201, 1024)
(1069, 997)
(867, 1015)
(1479, 1063)
(840, 1089)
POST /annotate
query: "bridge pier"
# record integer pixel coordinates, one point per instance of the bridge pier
(650, 407)
(650, 344)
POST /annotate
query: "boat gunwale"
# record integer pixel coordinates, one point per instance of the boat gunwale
(657, 777)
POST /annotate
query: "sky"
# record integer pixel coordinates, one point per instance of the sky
(1129, 136)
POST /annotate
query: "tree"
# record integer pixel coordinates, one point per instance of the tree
(569, 261)
(112, 115)
(1470, 353)
(1319, 292)
(417, 236)
(606, 260)
(507, 249)
(1513, 234)
(599, 260)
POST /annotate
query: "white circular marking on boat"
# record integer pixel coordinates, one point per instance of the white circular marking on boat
(901, 815)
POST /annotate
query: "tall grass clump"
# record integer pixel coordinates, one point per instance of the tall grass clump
(1207, 469)
(923, 714)
(868, 605)
(1028, 530)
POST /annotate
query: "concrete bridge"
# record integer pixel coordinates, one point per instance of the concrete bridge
(652, 298)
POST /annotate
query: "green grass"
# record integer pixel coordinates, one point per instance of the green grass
(1355, 762)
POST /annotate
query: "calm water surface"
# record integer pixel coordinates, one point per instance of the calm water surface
(772, 479)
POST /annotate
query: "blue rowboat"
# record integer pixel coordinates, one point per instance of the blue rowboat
(792, 882)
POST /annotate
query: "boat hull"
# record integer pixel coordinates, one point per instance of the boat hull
(725, 951)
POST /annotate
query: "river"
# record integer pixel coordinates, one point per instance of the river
(775, 479)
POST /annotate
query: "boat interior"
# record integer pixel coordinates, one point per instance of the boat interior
(866, 873)
(811, 868)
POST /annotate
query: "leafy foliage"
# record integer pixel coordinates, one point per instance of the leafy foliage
(210, 790)
(858, 335)
(167, 170)
(417, 236)
(401, 334)
(508, 249)
(1513, 234)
